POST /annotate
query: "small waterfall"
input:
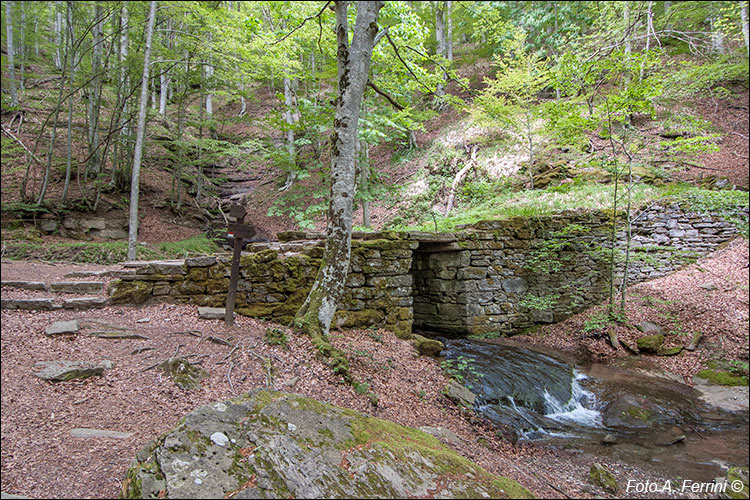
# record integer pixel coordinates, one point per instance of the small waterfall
(532, 393)
(579, 409)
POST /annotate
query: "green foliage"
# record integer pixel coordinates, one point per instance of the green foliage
(539, 303)
(277, 336)
(108, 252)
(461, 369)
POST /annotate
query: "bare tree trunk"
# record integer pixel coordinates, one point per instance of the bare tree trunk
(94, 94)
(317, 312)
(124, 83)
(717, 38)
(134, 188)
(163, 91)
(626, 16)
(22, 50)
(57, 15)
(649, 29)
(290, 116)
(745, 35)
(53, 136)
(69, 145)
(448, 31)
(440, 38)
(9, 43)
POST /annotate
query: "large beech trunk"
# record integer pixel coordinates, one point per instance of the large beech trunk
(317, 312)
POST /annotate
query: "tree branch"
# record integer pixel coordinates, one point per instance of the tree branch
(300, 26)
(387, 97)
(398, 54)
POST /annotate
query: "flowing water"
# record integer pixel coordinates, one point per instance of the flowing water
(617, 412)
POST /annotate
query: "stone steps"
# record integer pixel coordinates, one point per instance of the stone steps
(82, 287)
(50, 304)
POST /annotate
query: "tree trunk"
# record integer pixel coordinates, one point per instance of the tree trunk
(290, 115)
(9, 43)
(134, 188)
(22, 50)
(69, 145)
(448, 31)
(626, 16)
(317, 312)
(717, 38)
(440, 38)
(94, 93)
(58, 34)
(745, 35)
(163, 91)
(45, 183)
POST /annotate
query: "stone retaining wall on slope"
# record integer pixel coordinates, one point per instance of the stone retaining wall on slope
(275, 278)
(501, 275)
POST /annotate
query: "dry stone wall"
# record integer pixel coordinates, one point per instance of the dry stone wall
(503, 275)
(275, 278)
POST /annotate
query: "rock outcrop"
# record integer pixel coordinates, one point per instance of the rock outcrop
(267, 444)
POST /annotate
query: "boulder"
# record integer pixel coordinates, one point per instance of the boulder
(211, 312)
(62, 327)
(425, 346)
(737, 479)
(649, 328)
(268, 444)
(459, 394)
(183, 374)
(603, 478)
(650, 343)
(62, 370)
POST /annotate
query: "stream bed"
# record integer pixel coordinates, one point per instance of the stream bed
(603, 410)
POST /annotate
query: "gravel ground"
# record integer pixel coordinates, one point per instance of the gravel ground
(41, 459)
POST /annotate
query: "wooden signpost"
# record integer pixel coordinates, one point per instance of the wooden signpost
(241, 233)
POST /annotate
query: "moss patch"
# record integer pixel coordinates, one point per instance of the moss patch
(722, 377)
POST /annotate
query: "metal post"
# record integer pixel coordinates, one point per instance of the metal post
(233, 279)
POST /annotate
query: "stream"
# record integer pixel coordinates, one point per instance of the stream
(618, 412)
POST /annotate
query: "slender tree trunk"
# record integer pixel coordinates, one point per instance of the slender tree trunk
(448, 30)
(440, 38)
(71, 80)
(9, 43)
(123, 137)
(95, 93)
(58, 34)
(626, 17)
(717, 37)
(317, 312)
(290, 115)
(22, 50)
(199, 186)
(649, 29)
(53, 136)
(163, 91)
(134, 188)
(745, 35)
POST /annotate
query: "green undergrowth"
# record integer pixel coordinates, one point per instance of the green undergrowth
(504, 203)
(107, 252)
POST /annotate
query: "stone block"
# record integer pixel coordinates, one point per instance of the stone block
(515, 285)
(77, 286)
(25, 285)
(202, 261)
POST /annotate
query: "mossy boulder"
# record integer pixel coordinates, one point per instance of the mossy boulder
(650, 343)
(130, 292)
(737, 476)
(183, 374)
(601, 477)
(267, 444)
(425, 346)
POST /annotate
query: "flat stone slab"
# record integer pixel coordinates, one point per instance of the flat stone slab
(28, 304)
(86, 274)
(62, 327)
(211, 312)
(118, 335)
(62, 370)
(203, 261)
(77, 286)
(4, 495)
(84, 303)
(82, 432)
(102, 324)
(25, 285)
